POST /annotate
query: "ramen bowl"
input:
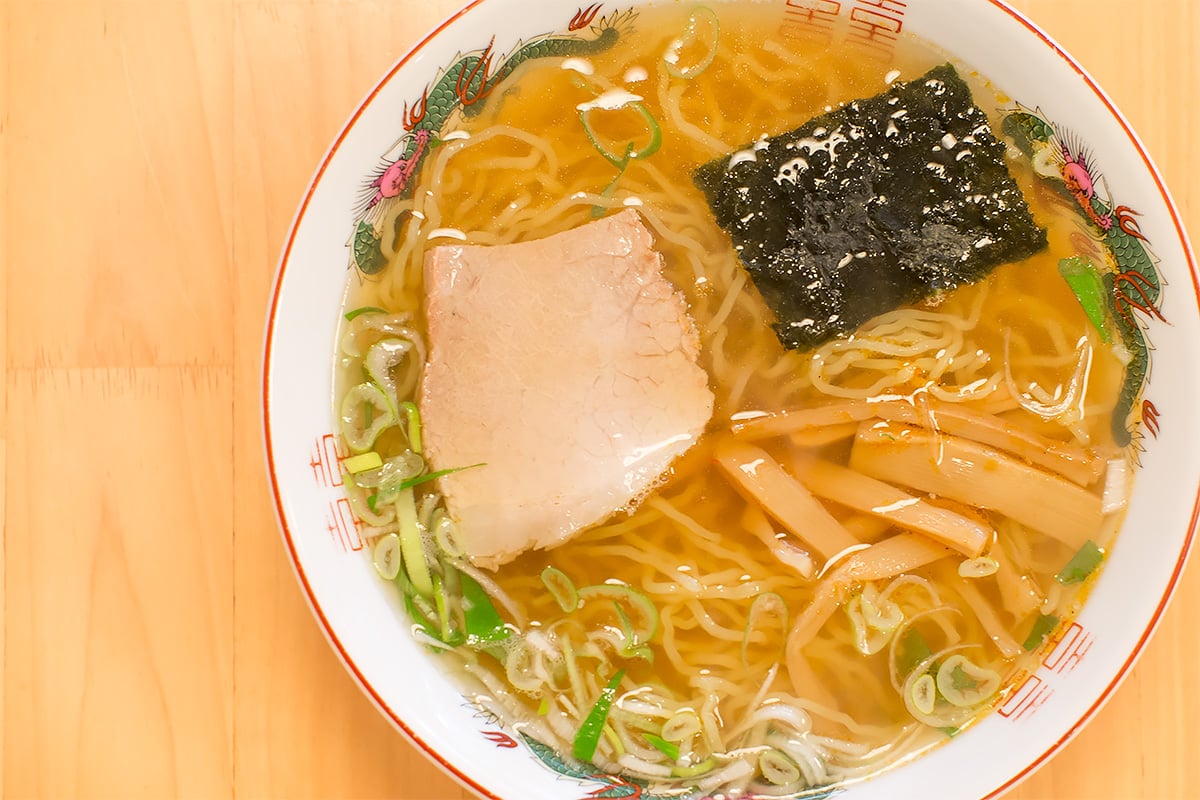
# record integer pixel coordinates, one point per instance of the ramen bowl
(1054, 101)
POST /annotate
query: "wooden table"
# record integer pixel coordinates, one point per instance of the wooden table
(155, 641)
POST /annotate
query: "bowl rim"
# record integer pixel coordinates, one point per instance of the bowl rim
(327, 628)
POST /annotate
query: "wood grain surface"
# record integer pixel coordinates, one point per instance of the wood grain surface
(155, 642)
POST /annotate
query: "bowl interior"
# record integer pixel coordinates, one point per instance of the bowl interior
(363, 617)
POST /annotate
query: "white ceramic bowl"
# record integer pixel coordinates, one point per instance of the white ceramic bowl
(361, 615)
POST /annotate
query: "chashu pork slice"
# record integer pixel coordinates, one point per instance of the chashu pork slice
(567, 366)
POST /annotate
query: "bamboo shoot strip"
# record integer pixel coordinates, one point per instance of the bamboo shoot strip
(761, 478)
(978, 476)
(803, 420)
(866, 528)
(863, 493)
(813, 438)
(784, 550)
(893, 556)
(1066, 459)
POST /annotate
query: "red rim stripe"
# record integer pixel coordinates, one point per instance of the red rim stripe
(327, 628)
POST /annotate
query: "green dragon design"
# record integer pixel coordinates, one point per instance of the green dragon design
(615, 786)
(1130, 280)
(464, 87)
(610, 786)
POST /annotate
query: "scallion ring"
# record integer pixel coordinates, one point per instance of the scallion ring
(621, 162)
(386, 556)
(366, 412)
(639, 609)
(561, 588)
(765, 606)
(777, 768)
(703, 28)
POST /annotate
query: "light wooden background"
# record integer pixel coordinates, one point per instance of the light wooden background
(155, 643)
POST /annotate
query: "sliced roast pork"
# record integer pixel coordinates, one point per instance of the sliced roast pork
(567, 366)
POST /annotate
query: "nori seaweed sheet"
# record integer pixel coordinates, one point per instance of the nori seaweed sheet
(874, 205)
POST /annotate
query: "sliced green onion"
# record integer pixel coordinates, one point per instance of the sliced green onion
(544, 707)
(432, 476)
(608, 191)
(572, 665)
(702, 27)
(923, 693)
(386, 556)
(684, 725)
(951, 732)
(428, 611)
(397, 476)
(359, 433)
(631, 637)
(1082, 564)
(443, 533)
(367, 328)
(642, 651)
(588, 737)
(394, 477)
(980, 567)
(611, 158)
(1042, 627)
(372, 499)
(614, 740)
(480, 617)
(884, 616)
(668, 749)
(644, 617)
(777, 768)
(411, 545)
(394, 470)
(421, 614)
(409, 409)
(383, 357)
(874, 621)
(364, 310)
(363, 462)
(619, 162)
(403, 582)
(518, 667)
(913, 650)
(442, 604)
(634, 647)
(694, 770)
(1088, 285)
(766, 604)
(964, 683)
(419, 619)
(858, 623)
(561, 588)
(360, 503)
